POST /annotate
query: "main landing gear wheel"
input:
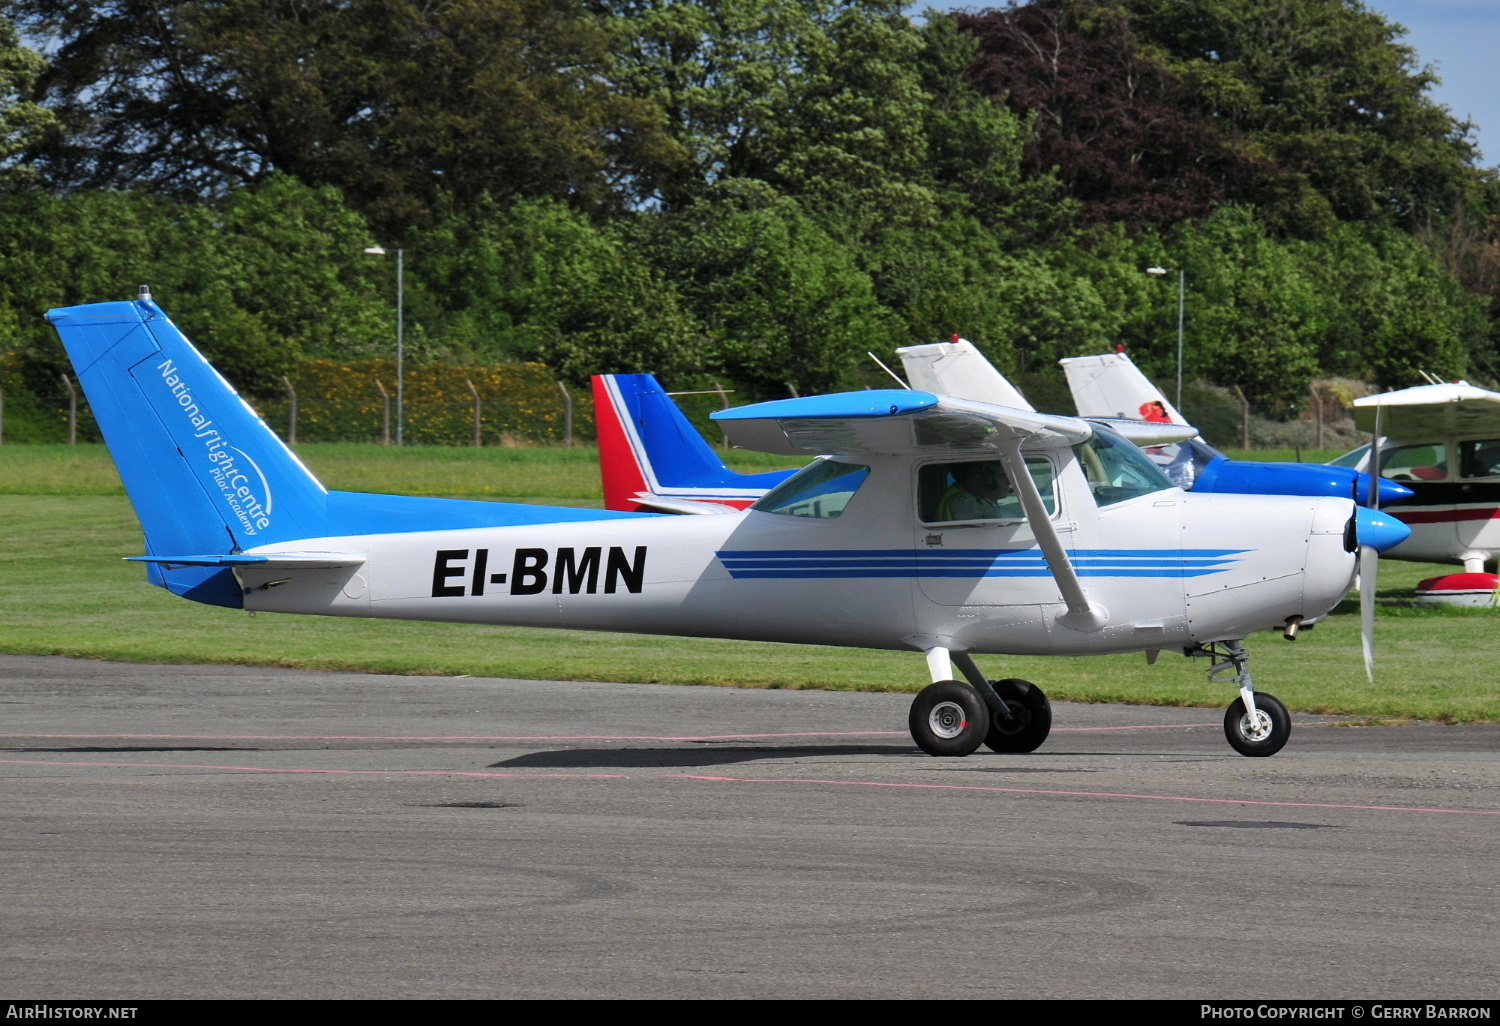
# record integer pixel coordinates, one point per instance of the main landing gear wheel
(948, 718)
(1032, 718)
(1266, 735)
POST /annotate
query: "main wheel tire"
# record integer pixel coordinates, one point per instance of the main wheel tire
(948, 719)
(1032, 718)
(1264, 737)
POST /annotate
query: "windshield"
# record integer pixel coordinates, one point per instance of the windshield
(1117, 470)
(1182, 462)
(820, 491)
(1352, 458)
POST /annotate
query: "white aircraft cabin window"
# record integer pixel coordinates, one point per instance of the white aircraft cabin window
(1479, 458)
(1415, 462)
(977, 490)
(1117, 470)
(820, 491)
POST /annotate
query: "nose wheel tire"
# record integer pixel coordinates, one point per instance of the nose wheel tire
(1032, 718)
(1265, 736)
(948, 719)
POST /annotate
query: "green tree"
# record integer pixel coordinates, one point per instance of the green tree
(392, 101)
(1392, 311)
(257, 282)
(1325, 90)
(785, 305)
(22, 122)
(536, 280)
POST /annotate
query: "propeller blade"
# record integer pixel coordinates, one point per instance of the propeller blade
(1369, 562)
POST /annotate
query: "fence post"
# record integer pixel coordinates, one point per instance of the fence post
(385, 414)
(1318, 412)
(475, 393)
(2, 416)
(72, 411)
(291, 413)
(567, 415)
(1244, 419)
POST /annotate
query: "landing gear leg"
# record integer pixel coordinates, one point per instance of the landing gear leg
(948, 718)
(1020, 715)
(1255, 724)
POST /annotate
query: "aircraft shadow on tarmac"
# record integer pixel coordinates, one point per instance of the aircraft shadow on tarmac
(680, 758)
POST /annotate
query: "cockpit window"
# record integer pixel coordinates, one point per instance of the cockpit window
(1117, 470)
(820, 491)
(977, 490)
(1479, 458)
(1415, 462)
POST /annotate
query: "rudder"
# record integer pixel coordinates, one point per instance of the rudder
(205, 474)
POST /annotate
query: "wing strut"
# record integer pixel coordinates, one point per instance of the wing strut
(1083, 614)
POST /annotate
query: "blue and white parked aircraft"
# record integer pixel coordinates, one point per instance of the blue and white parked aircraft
(1111, 388)
(983, 530)
(652, 459)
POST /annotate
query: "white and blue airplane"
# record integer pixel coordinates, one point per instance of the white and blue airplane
(945, 527)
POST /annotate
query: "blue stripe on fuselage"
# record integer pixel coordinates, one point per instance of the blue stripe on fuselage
(905, 563)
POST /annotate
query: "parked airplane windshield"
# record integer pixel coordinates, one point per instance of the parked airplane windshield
(820, 491)
(1415, 462)
(1117, 470)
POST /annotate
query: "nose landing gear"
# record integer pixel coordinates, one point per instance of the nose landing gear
(1256, 724)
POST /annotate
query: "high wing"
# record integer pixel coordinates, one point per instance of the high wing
(891, 422)
(1431, 411)
(895, 423)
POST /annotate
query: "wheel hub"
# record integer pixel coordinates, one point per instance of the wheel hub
(947, 720)
(1259, 729)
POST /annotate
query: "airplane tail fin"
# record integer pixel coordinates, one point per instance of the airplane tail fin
(652, 458)
(959, 369)
(1110, 385)
(205, 474)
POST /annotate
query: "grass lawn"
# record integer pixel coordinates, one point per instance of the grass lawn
(65, 523)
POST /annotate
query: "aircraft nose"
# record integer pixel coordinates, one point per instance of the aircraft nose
(1380, 531)
(1390, 491)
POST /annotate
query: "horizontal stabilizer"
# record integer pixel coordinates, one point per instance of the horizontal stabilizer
(272, 561)
(666, 504)
(1148, 433)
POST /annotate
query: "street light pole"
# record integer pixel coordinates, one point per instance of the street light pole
(400, 338)
(1181, 308)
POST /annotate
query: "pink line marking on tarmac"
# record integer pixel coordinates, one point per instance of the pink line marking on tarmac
(1086, 794)
(446, 737)
(328, 772)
